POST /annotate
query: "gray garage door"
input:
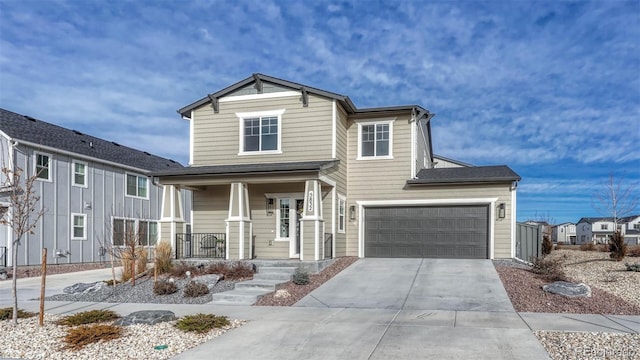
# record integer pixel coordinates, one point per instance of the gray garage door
(429, 232)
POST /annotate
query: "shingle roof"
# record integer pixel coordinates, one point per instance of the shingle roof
(260, 168)
(27, 129)
(344, 100)
(462, 175)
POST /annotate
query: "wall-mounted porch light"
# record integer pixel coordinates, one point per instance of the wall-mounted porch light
(502, 210)
(270, 204)
(352, 212)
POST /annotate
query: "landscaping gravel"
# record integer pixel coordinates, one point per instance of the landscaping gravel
(142, 292)
(29, 341)
(590, 345)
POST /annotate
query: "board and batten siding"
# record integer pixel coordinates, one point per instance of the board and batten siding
(217, 136)
(103, 198)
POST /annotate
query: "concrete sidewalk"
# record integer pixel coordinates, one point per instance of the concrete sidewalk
(340, 332)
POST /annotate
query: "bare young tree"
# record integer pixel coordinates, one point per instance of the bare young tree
(616, 199)
(125, 242)
(22, 217)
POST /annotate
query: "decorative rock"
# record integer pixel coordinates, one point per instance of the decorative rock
(210, 280)
(149, 317)
(83, 288)
(568, 289)
(3, 273)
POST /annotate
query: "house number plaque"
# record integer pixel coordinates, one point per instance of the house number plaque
(310, 202)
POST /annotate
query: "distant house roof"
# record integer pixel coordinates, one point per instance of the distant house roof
(243, 169)
(259, 78)
(592, 220)
(457, 162)
(40, 133)
(462, 175)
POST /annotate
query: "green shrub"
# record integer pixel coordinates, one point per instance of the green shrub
(202, 323)
(300, 277)
(81, 336)
(88, 317)
(633, 267)
(7, 313)
(617, 246)
(164, 287)
(195, 289)
(163, 257)
(547, 245)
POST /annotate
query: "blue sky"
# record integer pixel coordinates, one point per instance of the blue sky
(551, 89)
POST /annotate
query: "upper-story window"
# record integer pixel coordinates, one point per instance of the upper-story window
(260, 132)
(79, 173)
(604, 226)
(342, 206)
(43, 167)
(636, 226)
(375, 140)
(137, 186)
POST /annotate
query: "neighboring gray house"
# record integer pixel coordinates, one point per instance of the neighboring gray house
(564, 233)
(91, 189)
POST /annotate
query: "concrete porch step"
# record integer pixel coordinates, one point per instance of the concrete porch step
(269, 285)
(277, 269)
(238, 297)
(272, 276)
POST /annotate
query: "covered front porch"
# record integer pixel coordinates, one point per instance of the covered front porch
(241, 212)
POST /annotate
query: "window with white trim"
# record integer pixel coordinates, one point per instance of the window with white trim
(375, 140)
(342, 213)
(260, 132)
(604, 226)
(79, 173)
(137, 186)
(78, 227)
(636, 226)
(142, 232)
(284, 217)
(43, 167)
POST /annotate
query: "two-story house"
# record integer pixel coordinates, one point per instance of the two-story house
(92, 191)
(631, 229)
(281, 170)
(564, 233)
(595, 230)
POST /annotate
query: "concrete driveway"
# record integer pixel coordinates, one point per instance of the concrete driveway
(414, 284)
(389, 309)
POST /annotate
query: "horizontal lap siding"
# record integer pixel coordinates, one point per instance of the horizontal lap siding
(217, 136)
(385, 180)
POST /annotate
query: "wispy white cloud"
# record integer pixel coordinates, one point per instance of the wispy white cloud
(542, 86)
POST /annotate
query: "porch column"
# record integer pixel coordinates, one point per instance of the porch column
(311, 224)
(171, 217)
(239, 224)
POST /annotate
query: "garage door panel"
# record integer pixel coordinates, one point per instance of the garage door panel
(442, 232)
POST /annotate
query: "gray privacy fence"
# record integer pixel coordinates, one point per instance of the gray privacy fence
(528, 241)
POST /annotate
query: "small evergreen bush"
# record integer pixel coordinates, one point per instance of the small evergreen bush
(79, 337)
(195, 289)
(7, 313)
(547, 245)
(633, 267)
(164, 287)
(617, 246)
(300, 277)
(202, 323)
(88, 317)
